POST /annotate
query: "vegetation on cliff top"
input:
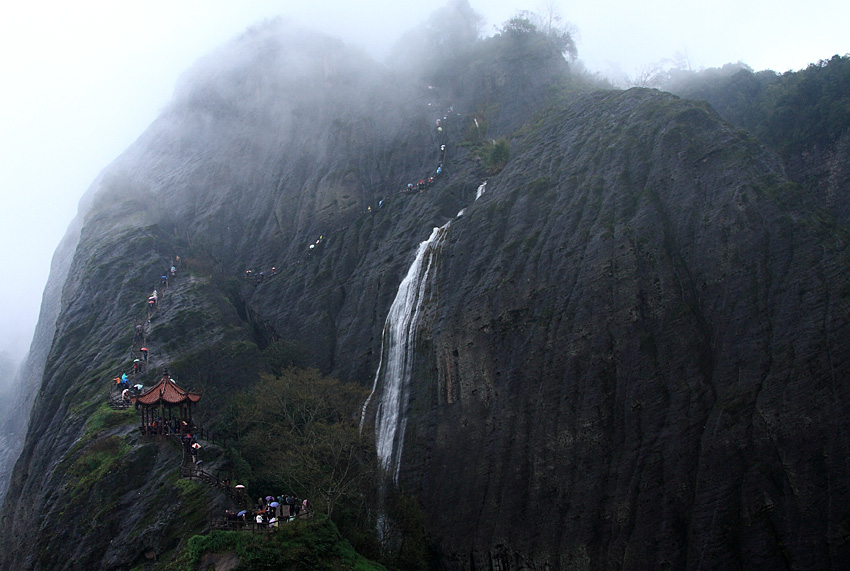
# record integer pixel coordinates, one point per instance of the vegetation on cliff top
(790, 112)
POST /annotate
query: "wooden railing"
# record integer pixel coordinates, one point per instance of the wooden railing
(249, 524)
(194, 473)
(198, 432)
(203, 434)
(116, 401)
(190, 470)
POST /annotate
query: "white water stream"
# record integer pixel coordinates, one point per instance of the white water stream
(398, 341)
(397, 344)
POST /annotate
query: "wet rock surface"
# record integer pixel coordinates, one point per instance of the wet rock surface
(625, 358)
(636, 355)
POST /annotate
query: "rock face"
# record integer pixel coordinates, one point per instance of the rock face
(9, 436)
(635, 353)
(18, 402)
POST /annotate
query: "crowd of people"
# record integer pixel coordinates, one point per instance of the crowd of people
(269, 512)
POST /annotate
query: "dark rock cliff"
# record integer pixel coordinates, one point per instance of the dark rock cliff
(636, 354)
(27, 381)
(10, 423)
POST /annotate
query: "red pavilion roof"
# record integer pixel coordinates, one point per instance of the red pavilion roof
(166, 392)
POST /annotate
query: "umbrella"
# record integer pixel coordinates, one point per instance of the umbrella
(240, 514)
(269, 498)
(239, 487)
(274, 504)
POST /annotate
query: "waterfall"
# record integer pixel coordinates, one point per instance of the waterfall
(397, 345)
(478, 193)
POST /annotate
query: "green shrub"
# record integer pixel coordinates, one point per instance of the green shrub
(306, 544)
(497, 156)
(95, 461)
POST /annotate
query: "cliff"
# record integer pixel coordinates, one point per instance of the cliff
(637, 354)
(632, 356)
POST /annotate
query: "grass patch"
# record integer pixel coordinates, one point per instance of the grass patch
(95, 461)
(105, 417)
(101, 419)
(194, 505)
(309, 544)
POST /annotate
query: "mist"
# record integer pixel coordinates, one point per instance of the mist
(84, 80)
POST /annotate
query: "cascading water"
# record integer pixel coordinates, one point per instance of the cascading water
(397, 344)
(478, 193)
(398, 340)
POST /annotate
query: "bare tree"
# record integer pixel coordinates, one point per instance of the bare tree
(649, 75)
(550, 22)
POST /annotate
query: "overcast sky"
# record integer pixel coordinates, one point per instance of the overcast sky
(81, 80)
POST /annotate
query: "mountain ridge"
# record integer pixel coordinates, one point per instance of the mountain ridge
(602, 380)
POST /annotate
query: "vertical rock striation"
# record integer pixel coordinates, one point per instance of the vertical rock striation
(630, 355)
(639, 363)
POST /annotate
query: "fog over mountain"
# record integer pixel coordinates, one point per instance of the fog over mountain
(509, 316)
(83, 80)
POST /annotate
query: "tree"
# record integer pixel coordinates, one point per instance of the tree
(519, 25)
(497, 156)
(650, 75)
(283, 354)
(797, 113)
(300, 432)
(453, 29)
(443, 41)
(548, 24)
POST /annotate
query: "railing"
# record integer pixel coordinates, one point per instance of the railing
(249, 524)
(166, 429)
(204, 434)
(116, 401)
(193, 472)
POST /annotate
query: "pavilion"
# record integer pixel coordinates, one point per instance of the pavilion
(166, 403)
